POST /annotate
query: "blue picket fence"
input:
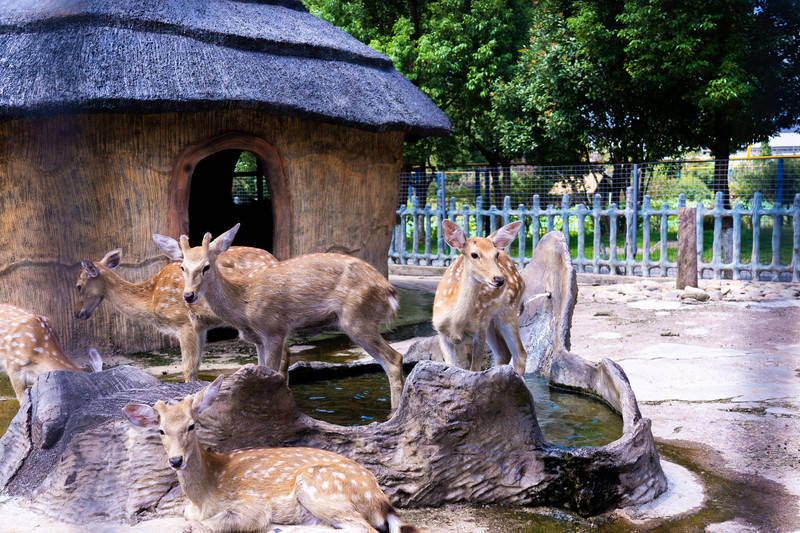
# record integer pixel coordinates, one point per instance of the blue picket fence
(609, 255)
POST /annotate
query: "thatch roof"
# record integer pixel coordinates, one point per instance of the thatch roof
(77, 56)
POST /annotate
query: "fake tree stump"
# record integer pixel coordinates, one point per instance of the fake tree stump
(458, 436)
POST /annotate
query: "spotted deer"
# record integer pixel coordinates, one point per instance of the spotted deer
(267, 304)
(249, 489)
(29, 347)
(478, 300)
(159, 300)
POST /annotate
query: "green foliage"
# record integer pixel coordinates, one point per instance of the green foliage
(556, 80)
(459, 52)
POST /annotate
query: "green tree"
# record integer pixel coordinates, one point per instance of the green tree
(734, 64)
(459, 52)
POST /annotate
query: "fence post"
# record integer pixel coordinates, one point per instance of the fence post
(687, 248)
(646, 236)
(796, 238)
(535, 226)
(630, 232)
(596, 244)
(635, 186)
(565, 218)
(755, 257)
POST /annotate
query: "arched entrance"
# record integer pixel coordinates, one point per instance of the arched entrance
(227, 179)
(230, 187)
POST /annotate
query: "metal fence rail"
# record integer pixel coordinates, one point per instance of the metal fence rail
(614, 235)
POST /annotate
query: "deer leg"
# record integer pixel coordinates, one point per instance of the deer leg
(18, 383)
(272, 351)
(510, 332)
(261, 350)
(336, 509)
(368, 336)
(242, 518)
(390, 360)
(284, 370)
(501, 355)
(478, 350)
(191, 347)
(448, 350)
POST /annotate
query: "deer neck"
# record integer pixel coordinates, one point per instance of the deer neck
(199, 478)
(222, 294)
(132, 299)
(469, 292)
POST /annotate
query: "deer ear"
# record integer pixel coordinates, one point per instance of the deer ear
(453, 234)
(203, 399)
(140, 415)
(169, 246)
(90, 269)
(112, 259)
(224, 241)
(505, 235)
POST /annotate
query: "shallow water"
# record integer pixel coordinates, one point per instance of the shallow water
(566, 419)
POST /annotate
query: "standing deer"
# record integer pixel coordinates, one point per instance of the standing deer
(478, 300)
(29, 347)
(249, 489)
(159, 300)
(267, 304)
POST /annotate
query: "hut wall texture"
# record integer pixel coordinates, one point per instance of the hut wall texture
(75, 186)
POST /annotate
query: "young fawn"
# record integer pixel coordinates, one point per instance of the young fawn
(159, 300)
(478, 300)
(29, 347)
(267, 304)
(249, 489)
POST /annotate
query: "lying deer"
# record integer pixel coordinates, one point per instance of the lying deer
(478, 300)
(159, 300)
(249, 489)
(29, 347)
(267, 304)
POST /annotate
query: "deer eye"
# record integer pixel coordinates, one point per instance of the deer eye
(497, 255)
(182, 270)
(205, 268)
(160, 431)
(190, 428)
(474, 255)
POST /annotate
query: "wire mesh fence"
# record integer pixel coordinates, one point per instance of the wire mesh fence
(776, 178)
(748, 226)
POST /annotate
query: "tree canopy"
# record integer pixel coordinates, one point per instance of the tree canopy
(555, 80)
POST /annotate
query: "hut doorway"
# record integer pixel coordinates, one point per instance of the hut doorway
(229, 187)
(202, 188)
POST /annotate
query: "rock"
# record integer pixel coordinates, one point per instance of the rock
(457, 436)
(693, 293)
(715, 295)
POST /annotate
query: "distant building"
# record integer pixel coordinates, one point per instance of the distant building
(787, 142)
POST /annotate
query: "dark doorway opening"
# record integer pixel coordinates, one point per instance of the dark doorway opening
(227, 187)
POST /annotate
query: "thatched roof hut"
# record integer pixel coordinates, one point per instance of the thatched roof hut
(120, 118)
